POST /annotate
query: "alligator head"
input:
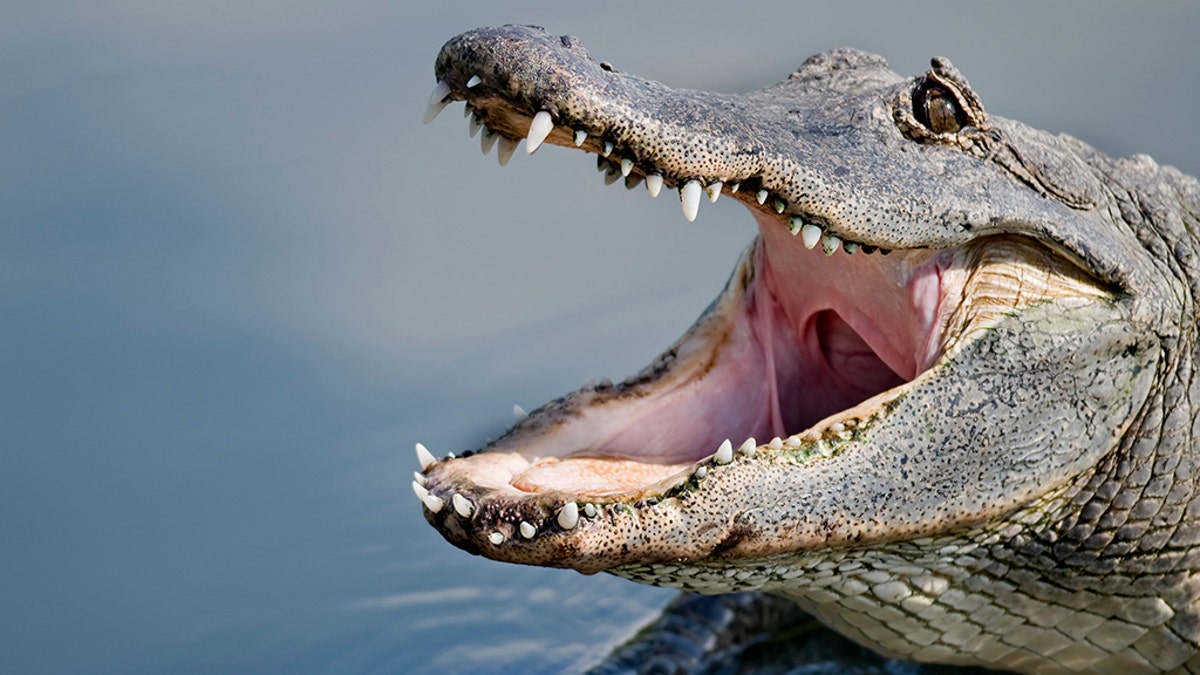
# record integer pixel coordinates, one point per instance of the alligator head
(928, 363)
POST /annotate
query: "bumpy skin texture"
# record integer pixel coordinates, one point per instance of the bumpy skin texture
(1032, 504)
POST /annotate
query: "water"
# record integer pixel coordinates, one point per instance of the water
(238, 279)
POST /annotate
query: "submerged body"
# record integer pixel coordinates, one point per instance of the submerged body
(946, 402)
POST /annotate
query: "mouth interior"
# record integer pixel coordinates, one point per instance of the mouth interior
(797, 337)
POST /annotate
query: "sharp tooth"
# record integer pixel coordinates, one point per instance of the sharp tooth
(539, 129)
(761, 196)
(424, 456)
(474, 125)
(589, 510)
(462, 505)
(734, 185)
(475, 79)
(568, 517)
(811, 234)
(487, 140)
(713, 191)
(689, 196)
(780, 205)
(437, 101)
(795, 225)
(422, 493)
(701, 473)
(506, 149)
(496, 538)
(793, 441)
(519, 412)
(608, 148)
(850, 247)
(434, 503)
(776, 443)
(527, 530)
(724, 454)
(632, 181)
(580, 137)
(830, 243)
(654, 183)
(468, 110)
(626, 166)
(420, 477)
(611, 171)
(748, 447)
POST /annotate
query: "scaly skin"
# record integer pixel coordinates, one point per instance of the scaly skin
(1028, 501)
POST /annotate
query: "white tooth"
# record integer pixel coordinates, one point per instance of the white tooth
(539, 129)
(724, 454)
(761, 196)
(689, 196)
(420, 477)
(422, 493)
(487, 140)
(811, 234)
(568, 517)
(776, 443)
(626, 166)
(654, 183)
(748, 447)
(506, 149)
(475, 79)
(496, 538)
(462, 505)
(701, 473)
(519, 412)
(436, 101)
(527, 530)
(589, 510)
(830, 243)
(434, 503)
(780, 206)
(608, 148)
(793, 441)
(474, 125)
(794, 225)
(713, 191)
(424, 456)
(734, 185)
(850, 247)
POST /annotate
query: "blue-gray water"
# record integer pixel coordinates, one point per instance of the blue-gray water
(238, 279)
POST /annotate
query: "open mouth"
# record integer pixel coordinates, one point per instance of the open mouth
(814, 339)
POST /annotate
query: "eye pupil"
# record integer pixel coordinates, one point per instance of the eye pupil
(937, 109)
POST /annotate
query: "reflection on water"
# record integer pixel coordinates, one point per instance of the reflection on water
(239, 279)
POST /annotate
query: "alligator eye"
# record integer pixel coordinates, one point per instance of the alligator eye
(936, 108)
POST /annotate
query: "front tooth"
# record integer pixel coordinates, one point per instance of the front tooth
(580, 137)
(761, 196)
(830, 243)
(505, 152)
(475, 79)
(626, 166)
(424, 456)
(748, 447)
(539, 129)
(568, 517)
(462, 505)
(527, 530)
(713, 191)
(654, 184)
(434, 503)
(689, 196)
(474, 125)
(487, 140)
(811, 234)
(437, 101)
(724, 454)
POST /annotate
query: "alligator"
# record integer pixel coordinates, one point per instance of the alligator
(946, 402)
